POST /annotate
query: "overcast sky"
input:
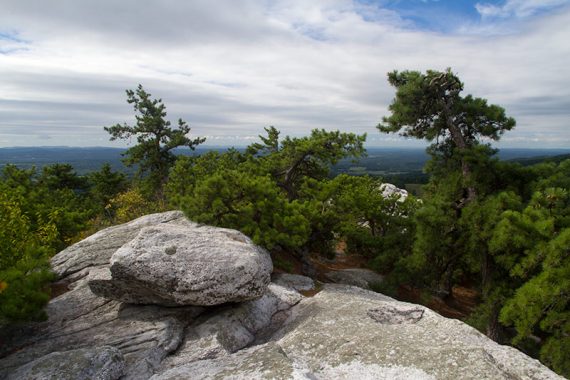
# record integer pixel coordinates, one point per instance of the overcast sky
(230, 68)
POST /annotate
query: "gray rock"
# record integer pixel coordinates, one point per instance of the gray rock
(261, 362)
(221, 332)
(361, 277)
(79, 319)
(188, 264)
(345, 332)
(294, 281)
(270, 361)
(339, 328)
(75, 261)
(389, 190)
(101, 363)
(150, 337)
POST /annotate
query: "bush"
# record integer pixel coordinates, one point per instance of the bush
(24, 266)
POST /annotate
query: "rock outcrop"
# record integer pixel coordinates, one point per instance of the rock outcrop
(186, 264)
(342, 332)
(389, 190)
(345, 332)
(79, 319)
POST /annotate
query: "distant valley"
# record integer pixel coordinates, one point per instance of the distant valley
(402, 165)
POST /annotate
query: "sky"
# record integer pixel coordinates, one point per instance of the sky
(232, 67)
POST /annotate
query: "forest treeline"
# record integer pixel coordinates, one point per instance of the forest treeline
(501, 226)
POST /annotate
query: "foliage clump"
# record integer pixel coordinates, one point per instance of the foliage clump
(24, 266)
(270, 192)
(40, 214)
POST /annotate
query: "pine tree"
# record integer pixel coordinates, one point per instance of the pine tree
(156, 140)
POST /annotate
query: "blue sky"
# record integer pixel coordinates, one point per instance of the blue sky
(436, 15)
(230, 68)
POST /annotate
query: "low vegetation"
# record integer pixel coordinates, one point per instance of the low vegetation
(501, 227)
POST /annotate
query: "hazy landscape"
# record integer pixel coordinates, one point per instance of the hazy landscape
(378, 162)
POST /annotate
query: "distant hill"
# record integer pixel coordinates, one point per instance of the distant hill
(390, 163)
(84, 160)
(403, 167)
(528, 161)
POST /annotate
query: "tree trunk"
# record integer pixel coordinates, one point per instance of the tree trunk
(291, 174)
(494, 328)
(446, 284)
(460, 142)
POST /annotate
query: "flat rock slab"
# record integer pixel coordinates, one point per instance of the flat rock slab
(101, 363)
(345, 332)
(79, 319)
(190, 264)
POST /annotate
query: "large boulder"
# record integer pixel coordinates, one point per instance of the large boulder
(187, 264)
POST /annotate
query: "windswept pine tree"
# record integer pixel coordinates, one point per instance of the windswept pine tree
(156, 139)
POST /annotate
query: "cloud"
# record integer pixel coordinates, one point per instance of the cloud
(231, 68)
(517, 8)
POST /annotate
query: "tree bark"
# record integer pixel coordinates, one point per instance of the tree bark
(466, 171)
(494, 329)
(290, 175)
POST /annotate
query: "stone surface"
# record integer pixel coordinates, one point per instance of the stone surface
(189, 264)
(389, 190)
(77, 260)
(293, 281)
(361, 277)
(223, 331)
(101, 363)
(345, 332)
(270, 361)
(80, 319)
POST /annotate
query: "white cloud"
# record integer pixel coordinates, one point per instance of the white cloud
(231, 68)
(517, 8)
